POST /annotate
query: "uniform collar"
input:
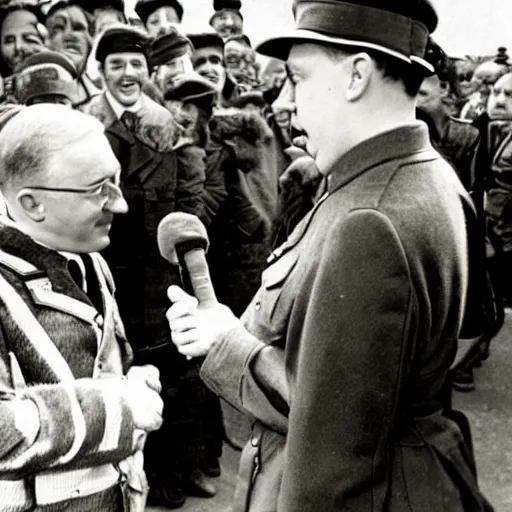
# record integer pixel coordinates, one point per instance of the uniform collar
(389, 145)
(119, 109)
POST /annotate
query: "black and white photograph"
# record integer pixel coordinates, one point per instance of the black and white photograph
(254, 255)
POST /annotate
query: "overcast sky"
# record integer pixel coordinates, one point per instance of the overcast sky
(466, 26)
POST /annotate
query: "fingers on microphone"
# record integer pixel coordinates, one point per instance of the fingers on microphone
(153, 371)
(180, 309)
(184, 337)
(176, 294)
(192, 350)
(182, 324)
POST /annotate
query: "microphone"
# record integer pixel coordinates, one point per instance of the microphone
(182, 240)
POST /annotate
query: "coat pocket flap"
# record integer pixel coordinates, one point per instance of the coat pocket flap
(279, 271)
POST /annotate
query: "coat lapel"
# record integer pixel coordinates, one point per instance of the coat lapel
(43, 295)
(45, 274)
(296, 235)
(140, 156)
(113, 125)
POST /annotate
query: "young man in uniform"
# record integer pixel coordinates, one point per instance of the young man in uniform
(341, 358)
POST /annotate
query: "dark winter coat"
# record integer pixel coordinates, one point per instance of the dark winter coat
(349, 342)
(155, 180)
(457, 143)
(240, 218)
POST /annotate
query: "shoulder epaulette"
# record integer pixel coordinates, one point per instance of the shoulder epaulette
(19, 265)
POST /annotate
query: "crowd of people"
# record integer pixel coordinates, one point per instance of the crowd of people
(200, 123)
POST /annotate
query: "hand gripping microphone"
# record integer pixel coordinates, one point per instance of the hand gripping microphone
(182, 240)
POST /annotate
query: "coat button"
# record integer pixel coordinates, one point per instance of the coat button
(99, 321)
(75, 493)
(257, 306)
(255, 441)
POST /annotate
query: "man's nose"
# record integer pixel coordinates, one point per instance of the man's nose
(18, 44)
(69, 35)
(129, 70)
(117, 205)
(500, 100)
(166, 26)
(206, 67)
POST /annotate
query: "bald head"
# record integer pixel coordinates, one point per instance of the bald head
(488, 72)
(31, 138)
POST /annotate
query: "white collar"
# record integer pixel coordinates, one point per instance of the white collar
(119, 109)
(71, 256)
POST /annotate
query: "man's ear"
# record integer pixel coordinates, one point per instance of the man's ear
(361, 69)
(31, 206)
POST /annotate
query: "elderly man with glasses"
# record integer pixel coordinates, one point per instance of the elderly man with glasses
(72, 412)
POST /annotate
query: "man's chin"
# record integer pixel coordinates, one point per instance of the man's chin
(128, 100)
(99, 244)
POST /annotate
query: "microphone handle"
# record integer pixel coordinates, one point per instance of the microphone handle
(196, 277)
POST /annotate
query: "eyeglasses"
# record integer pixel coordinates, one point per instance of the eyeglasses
(106, 189)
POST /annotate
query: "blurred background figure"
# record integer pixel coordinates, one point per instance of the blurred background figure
(70, 29)
(498, 200)
(438, 100)
(159, 16)
(46, 77)
(22, 33)
(484, 76)
(465, 68)
(105, 13)
(169, 57)
(208, 61)
(227, 20)
(241, 64)
(273, 77)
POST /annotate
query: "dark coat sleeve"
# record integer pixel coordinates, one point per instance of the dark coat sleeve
(214, 193)
(350, 364)
(190, 179)
(251, 376)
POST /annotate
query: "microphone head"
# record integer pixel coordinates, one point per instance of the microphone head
(179, 229)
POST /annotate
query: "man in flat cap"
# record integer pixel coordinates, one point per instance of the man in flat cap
(208, 58)
(155, 182)
(169, 57)
(184, 90)
(159, 15)
(341, 358)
